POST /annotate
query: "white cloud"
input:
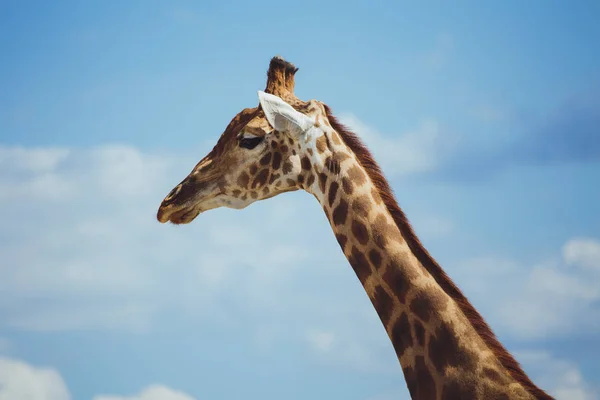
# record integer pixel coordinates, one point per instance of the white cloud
(21, 381)
(352, 337)
(82, 248)
(550, 299)
(31, 159)
(409, 152)
(320, 340)
(86, 252)
(560, 378)
(583, 252)
(154, 392)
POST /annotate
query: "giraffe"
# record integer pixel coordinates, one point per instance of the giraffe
(445, 348)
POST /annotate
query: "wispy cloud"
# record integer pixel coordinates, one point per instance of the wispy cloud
(153, 392)
(88, 253)
(561, 378)
(571, 133)
(553, 298)
(320, 340)
(568, 134)
(83, 249)
(405, 153)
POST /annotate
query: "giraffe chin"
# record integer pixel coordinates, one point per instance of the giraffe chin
(186, 212)
(179, 217)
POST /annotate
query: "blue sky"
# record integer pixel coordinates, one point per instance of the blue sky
(484, 117)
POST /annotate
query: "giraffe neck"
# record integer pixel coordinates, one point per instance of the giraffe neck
(440, 352)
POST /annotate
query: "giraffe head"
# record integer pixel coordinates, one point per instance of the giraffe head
(264, 151)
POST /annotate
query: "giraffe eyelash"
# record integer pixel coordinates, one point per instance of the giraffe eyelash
(249, 142)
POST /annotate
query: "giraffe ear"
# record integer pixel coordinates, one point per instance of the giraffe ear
(282, 116)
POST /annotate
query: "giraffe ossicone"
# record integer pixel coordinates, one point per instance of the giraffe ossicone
(444, 346)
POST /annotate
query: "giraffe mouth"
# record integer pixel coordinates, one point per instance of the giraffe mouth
(184, 216)
(180, 216)
(185, 213)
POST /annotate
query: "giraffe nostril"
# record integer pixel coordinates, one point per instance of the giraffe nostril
(172, 194)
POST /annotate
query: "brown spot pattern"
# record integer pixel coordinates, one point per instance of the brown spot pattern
(333, 188)
(336, 138)
(340, 213)
(287, 167)
(321, 144)
(383, 232)
(457, 390)
(356, 175)
(359, 263)
(375, 258)
(340, 157)
(266, 159)
(411, 381)
(273, 178)
(445, 351)
(261, 178)
(419, 333)
(425, 302)
(400, 335)
(384, 304)
(360, 232)
(399, 280)
(305, 162)
(361, 205)
(322, 181)
(342, 239)
(243, 180)
(276, 160)
(376, 196)
(347, 185)
(494, 376)
(426, 388)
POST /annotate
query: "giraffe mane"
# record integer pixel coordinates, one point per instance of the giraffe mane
(481, 327)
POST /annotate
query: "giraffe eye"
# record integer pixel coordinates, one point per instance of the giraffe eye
(250, 142)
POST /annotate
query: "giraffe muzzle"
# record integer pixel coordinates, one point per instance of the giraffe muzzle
(187, 200)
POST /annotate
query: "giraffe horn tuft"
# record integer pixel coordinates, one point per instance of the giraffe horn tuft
(280, 77)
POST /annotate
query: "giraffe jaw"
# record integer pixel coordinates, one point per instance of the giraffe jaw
(186, 213)
(184, 216)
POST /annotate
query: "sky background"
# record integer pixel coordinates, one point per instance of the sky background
(485, 118)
